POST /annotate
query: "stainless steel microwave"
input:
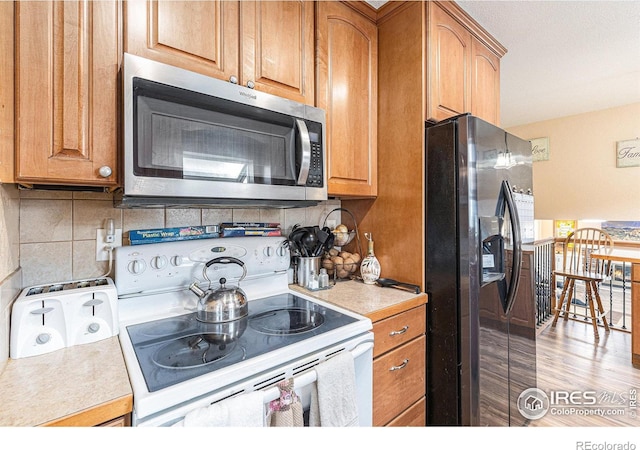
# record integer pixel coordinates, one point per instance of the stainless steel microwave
(196, 141)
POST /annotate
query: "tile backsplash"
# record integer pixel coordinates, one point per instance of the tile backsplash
(58, 229)
(50, 236)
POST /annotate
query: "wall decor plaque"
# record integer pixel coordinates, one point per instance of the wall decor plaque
(540, 149)
(628, 153)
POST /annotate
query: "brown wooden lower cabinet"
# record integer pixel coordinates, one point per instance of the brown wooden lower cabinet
(116, 413)
(399, 369)
(414, 416)
(124, 421)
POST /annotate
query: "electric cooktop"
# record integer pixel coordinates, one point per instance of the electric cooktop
(175, 349)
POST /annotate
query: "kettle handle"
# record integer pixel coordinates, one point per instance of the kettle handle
(224, 260)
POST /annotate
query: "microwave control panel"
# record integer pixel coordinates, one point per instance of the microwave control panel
(316, 167)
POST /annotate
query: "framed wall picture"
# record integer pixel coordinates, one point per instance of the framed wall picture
(540, 149)
(562, 228)
(628, 153)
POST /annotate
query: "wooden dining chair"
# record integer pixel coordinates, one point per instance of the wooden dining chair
(578, 265)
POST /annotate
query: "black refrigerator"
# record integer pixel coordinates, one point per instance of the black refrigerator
(481, 349)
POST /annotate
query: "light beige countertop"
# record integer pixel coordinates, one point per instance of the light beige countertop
(372, 301)
(88, 384)
(83, 385)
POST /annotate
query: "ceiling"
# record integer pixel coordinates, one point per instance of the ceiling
(564, 57)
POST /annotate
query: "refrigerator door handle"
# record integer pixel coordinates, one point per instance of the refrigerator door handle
(517, 246)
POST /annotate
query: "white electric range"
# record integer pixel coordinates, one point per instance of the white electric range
(173, 370)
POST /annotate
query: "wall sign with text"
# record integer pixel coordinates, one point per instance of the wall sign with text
(628, 153)
(540, 149)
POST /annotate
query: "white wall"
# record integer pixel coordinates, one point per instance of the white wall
(580, 181)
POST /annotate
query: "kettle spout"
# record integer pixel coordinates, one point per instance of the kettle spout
(196, 290)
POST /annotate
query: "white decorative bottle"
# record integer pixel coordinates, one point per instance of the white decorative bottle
(370, 267)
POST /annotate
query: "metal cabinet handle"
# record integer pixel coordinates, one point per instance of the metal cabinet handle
(403, 330)
(251, 84)
(401, 366)
(233, 79)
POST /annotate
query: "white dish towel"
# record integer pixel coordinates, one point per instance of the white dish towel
(333, 399)
(246, 410)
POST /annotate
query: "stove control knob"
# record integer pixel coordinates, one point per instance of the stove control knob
(159, 262)
(176, 260)
(281, 251)
(137, 266)
(43, 338)
(268, 252)
(93, 327)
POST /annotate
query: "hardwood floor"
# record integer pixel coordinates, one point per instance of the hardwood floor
(568, 359)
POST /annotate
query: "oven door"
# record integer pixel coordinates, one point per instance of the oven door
(361, 348)
(187, 135)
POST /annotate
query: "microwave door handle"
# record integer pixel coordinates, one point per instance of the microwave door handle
(306, 152)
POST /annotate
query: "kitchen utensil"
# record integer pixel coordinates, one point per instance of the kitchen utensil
(329, 242)
(322, 235)
(222, 333)
(309, 241)
(388, 282)
(225, 303)
(296, 237)
(307, 266)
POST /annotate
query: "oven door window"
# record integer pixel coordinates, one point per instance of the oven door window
(187, 135)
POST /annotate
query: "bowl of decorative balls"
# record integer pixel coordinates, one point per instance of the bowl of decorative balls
(340, 264)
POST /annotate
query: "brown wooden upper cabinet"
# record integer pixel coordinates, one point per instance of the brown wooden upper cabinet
(347, 74)
(6, 93)
(266, 45)
(67, 60)
(463, 72)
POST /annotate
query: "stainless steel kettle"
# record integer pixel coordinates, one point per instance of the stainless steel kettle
(224, 304)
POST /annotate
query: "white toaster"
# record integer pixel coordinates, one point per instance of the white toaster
(50, 317)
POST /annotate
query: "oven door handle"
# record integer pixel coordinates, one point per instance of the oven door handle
(309, 377)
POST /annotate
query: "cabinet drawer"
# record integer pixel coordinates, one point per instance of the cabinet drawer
(123, 421)
(415, 416)
(398, 380)
(396, 330)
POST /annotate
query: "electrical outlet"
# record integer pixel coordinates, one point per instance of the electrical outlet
(101, 243)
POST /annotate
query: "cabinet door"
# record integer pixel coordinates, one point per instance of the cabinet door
(6, 93)
(278, 54)
(449, 57)
(68, 56)
(347, 71)
(398, 380)
(201, 36)
(414, 416)
(485, 83)
(399, 329)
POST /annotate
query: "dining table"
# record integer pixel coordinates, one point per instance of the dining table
(632, 256)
